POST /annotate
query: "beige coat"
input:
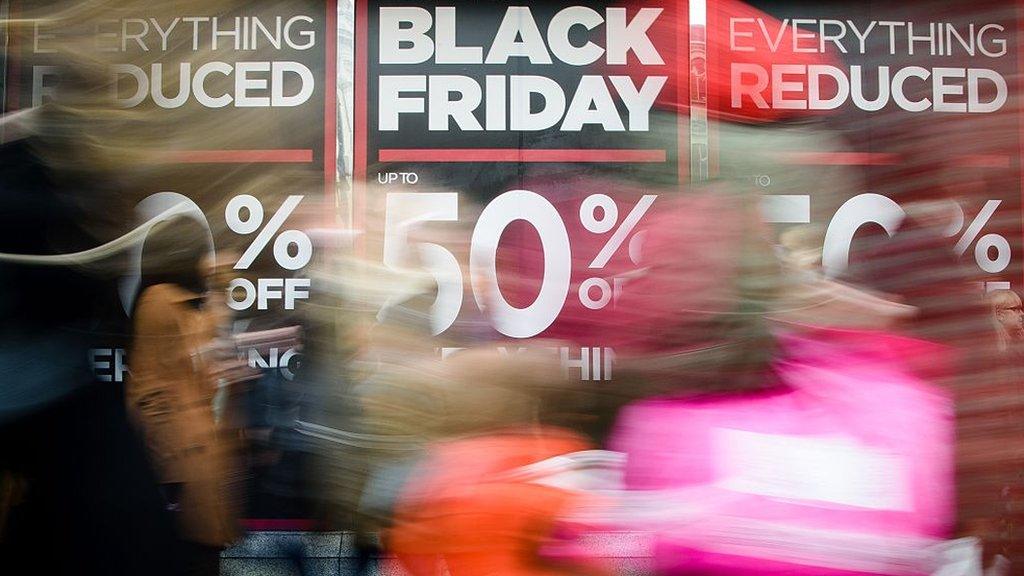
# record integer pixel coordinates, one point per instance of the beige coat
(170, 395)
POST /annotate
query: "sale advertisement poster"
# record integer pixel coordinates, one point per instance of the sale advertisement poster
(910, 116)
(485, 123)
(235, 127)
(537, 140)
(225, 115)
(920, 105)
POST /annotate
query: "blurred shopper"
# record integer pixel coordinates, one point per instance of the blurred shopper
(828, 453)
(917, 266)
(1008, 316)
(753, 446)
(172, 388)
(328, 348)
(991, 436)
(85, 500)
(369, 403)
(79, 496)
(464, 510)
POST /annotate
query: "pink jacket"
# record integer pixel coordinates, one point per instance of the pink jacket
(845, 469)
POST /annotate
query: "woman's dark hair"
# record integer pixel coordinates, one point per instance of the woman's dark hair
(171, 254)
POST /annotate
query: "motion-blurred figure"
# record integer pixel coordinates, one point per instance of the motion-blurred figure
(368, 378)
(1009, 320)
(83, 497)
(465, 510)
(992, 436)
(172, 387)
(77, 493)
(917, 266)
(785, 462)
(813, 446)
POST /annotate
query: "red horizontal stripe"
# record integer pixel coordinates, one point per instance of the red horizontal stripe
(886, 159)
(839, 158)
(519, 155)
(982, 161)
(240, 156)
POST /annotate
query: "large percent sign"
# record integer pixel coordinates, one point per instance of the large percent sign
(252, 208)
(985, 243)
(609, 218)
(244, 215)
(405, 210)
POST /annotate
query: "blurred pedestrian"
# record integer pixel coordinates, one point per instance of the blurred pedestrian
(465, 505)
(76, 491)
(172, 388)
(1008, 315)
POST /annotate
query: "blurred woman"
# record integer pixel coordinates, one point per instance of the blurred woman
(172, 389)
